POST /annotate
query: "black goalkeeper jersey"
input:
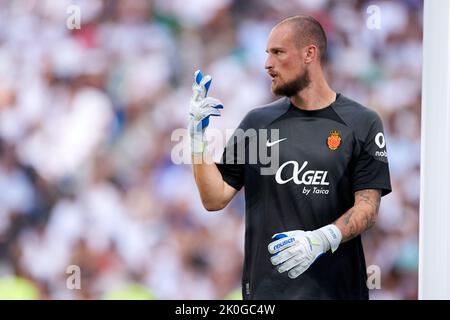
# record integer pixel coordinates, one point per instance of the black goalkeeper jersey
(324, 157)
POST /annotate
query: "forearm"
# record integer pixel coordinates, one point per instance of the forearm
(209, 182)
(361, 216)
(214, 192)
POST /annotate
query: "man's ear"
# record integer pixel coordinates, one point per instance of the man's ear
(310, 53)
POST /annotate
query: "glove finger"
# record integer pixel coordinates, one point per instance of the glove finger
(208, 106)
(277, 236)
(284, 255)
(207, 85)
(206, 79)
(204, 84)
(198, 76)
(198, 90)
(214, 112)
(196, 93)
(298, 270)
(212, 102)
(291, 263)
(211, 111)
(281, 235)
(282, 241)
(298, 254)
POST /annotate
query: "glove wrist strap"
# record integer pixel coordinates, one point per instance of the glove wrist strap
(333, 235)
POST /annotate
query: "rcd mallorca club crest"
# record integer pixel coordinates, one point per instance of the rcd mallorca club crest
(334, 140)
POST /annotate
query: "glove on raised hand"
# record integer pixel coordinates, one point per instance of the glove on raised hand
(200, 109)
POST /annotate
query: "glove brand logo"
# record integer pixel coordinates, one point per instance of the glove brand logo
(310, 177)
(282, 244)
(270, 144)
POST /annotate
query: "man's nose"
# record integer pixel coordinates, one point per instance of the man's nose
(268, 64)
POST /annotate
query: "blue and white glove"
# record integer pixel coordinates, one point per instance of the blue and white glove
(200, 109)
(295, 251)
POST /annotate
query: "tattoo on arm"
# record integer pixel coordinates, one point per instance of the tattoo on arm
(361, 216)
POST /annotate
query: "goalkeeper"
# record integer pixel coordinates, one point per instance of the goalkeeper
(304, 221)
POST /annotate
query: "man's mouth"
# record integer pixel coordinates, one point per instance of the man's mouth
(273, 76)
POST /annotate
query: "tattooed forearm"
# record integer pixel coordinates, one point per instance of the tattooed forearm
(349, 223)
(361, 216)
(370, 197)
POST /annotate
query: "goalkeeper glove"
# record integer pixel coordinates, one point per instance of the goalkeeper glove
(200, 109)
(295, 251)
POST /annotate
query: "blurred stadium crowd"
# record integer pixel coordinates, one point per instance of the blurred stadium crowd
(86, 117)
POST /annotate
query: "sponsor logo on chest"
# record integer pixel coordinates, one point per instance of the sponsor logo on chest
(300, 176)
